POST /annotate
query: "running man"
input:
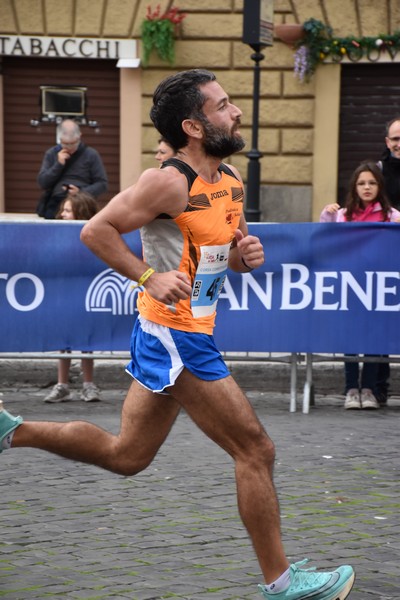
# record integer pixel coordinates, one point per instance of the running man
(190, 217)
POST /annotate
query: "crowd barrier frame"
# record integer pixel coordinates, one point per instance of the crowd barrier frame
(293, 359)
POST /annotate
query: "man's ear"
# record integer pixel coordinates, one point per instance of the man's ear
(192, 128)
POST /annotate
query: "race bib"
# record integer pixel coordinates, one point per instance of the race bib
(209, 279)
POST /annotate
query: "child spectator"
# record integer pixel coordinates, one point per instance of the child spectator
(366, 201)
(80, 206)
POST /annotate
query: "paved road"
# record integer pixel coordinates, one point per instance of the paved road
(73, 531)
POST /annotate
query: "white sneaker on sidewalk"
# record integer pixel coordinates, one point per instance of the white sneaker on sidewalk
(352, 400)
(59, 393)
(90, 393)
(368, 400)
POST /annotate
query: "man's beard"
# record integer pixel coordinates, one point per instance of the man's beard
(220, 143)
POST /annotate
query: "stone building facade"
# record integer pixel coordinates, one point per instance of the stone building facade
(299, 123)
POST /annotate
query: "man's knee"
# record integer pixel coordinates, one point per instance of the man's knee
(261, 451)
(255, 448)
(123, 463)
(266, 449)
(127, 468)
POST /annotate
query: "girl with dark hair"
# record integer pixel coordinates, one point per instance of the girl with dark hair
(75, 207)
(78, 207)
(366, 201)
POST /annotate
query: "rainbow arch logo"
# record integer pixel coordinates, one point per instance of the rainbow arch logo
(111, 292)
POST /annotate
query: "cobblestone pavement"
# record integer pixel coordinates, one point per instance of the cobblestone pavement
(74, 531)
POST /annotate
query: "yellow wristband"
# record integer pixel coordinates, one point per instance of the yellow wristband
(144, 278)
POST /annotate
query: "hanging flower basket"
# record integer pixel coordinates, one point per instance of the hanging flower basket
(318, 45)
(158, 33)
(290, 33)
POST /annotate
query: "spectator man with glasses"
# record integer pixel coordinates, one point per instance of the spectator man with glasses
(67, 168)
(390, 166)
(390, 162)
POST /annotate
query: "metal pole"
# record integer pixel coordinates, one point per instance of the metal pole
(252, 210)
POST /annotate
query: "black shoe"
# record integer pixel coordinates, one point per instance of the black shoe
(381, 398)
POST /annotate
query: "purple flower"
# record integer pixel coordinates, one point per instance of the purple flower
(301, 62)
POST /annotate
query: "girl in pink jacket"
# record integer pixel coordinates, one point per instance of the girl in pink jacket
(366, 200)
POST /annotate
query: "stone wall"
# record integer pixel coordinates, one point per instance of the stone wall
(210, 37)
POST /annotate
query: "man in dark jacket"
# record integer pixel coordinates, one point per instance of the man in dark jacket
(390, 165)
(390, 162)
(68, 167)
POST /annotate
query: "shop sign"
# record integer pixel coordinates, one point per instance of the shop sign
(67, 47)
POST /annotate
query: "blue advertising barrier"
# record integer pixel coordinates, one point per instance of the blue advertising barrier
(329, 288)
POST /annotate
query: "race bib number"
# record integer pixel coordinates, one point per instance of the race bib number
(209, 279)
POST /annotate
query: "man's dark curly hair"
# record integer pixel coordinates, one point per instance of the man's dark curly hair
(178, 98)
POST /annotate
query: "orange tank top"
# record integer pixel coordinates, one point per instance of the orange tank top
(197, 242)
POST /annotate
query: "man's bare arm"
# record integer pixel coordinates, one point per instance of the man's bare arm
(155, 192)
(247, 252)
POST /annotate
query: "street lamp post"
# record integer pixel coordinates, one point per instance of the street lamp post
(257, 33)
(252, 210)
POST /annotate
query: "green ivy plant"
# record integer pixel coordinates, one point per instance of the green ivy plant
(318, 44)
(158, 33)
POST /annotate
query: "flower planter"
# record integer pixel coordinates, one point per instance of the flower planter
(159, 31)
(290, 33)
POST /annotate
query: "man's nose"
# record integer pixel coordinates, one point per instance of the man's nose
(236, 112)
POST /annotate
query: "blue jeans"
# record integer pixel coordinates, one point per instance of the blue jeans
(369, 374)
(382, 379)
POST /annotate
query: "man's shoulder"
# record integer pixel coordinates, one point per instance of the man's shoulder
(165, 188)
(53, 149)
(91, 154)
(165, 177)
(88, 150)
(230, 170)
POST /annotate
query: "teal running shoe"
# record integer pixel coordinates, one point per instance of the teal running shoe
(308, 584)
(7, 424)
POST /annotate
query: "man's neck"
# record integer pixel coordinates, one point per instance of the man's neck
(205, 166)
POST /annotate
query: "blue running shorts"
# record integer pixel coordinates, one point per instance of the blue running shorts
(159, 355)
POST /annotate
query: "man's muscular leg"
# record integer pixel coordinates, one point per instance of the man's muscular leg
(145, 423)
(223, 412)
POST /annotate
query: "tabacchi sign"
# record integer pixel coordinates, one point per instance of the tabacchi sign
(67, 47)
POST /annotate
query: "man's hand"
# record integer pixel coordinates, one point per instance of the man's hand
(169, 287)
(73, 189)
(250, 249)
(63, 156)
